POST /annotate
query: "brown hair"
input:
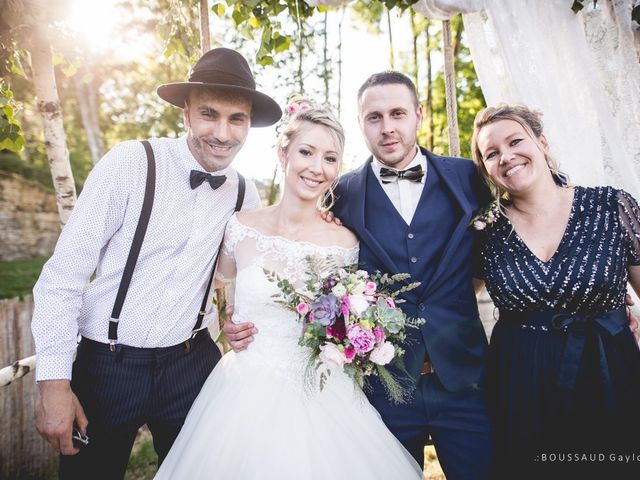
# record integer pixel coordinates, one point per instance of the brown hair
(389, 77)
(530, 120)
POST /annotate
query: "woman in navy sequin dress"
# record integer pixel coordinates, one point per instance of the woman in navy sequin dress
(563, 374)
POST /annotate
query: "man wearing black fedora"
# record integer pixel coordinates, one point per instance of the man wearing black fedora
(131, 276)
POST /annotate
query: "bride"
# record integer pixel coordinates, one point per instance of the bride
(256, 417)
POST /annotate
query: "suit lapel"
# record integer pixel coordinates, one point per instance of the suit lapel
(357, 187)
(451, 180)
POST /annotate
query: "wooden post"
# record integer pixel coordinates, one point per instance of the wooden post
(205, 39)
(23, 453)
(450, 90)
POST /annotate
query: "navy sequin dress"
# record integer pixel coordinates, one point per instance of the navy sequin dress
(564, 369)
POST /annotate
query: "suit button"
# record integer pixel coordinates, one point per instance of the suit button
(410, 236)
(421, 307)
(414, 259)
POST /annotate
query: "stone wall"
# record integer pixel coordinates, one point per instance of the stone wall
(29, 222)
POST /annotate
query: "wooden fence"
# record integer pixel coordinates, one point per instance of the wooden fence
(23, 453)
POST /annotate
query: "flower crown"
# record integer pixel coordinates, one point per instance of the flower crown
(298, 106)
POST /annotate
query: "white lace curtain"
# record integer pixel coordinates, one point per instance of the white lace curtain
(581, 70)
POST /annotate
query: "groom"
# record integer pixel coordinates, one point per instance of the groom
(411, 210)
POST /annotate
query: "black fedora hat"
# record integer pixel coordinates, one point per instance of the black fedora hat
(224, 69)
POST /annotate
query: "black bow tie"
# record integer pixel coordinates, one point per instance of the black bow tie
(413, 174)
(196, 177)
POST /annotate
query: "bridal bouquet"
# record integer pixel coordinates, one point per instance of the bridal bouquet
(351, 321)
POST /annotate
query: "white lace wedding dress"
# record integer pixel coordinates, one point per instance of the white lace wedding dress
(256, 417)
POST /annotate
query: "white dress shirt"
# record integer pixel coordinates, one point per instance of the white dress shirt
(404, 194)
(183, 236)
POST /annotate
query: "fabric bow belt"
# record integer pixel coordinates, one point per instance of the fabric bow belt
(576, 327)
(413, 174)
(196, 177)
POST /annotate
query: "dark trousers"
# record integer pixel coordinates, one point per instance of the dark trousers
(121, 391)
(457, 422)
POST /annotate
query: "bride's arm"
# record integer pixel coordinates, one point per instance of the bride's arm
(239, 335)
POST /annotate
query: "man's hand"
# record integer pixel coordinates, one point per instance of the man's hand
(238, 335)
(57, 411)
(329, 217)
(633, 320)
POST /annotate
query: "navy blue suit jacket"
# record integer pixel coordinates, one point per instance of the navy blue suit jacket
(452, 337)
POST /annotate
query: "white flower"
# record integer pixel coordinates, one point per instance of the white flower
(382, 354)
(358, 304)
(331, 355)
(339, 290)
(479, 225)
(358, 288)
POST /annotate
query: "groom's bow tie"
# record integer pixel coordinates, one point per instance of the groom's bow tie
(196, 177)
(389, 175)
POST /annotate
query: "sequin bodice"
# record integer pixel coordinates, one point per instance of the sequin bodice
(587, 273)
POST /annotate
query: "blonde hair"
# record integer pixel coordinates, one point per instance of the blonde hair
(530, 120)
(299, 112)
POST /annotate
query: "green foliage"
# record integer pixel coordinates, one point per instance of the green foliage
(469, 96)
(578, 5)
(18, 277)
(143, 463)
(11, 59)
(12, 163)
(11, 136)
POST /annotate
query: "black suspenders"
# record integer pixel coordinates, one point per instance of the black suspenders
(136, 245)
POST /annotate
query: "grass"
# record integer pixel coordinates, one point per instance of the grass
(143, 461)
(18, 277)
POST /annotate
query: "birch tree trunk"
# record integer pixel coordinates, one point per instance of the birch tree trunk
(49, 107)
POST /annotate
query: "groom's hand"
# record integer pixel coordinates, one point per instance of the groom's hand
(329, 217)
(239, 335)
(56, 413)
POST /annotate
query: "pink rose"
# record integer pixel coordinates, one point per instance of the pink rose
(344, 308)
(292, 108)
(362, 339)
(349, 354)
(370, 288)
(382, 354)
(331, 355)
(378, 333)
(302, 308)
(390, 302)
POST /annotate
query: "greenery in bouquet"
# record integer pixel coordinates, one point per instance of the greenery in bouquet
(351, 321)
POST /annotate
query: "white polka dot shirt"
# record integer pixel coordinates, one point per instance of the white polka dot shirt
(184, 233)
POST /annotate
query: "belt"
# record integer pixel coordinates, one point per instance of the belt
(576, 326)
(140, 352)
